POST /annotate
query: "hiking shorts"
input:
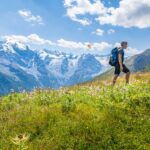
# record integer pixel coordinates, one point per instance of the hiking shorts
(117, 69)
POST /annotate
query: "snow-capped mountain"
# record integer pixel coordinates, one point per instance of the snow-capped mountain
(24, 68)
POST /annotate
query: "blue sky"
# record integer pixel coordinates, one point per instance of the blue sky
(71, 24)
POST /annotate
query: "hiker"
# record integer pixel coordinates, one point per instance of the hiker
(117, 60)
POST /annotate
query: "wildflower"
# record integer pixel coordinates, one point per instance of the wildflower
(20, 141)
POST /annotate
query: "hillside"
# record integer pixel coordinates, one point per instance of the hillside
(137, 63)
(90, 116)
(140, 61)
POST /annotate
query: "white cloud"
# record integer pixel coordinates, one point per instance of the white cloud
(31, 39)
(84, 46)
(84, 22)
(135, 13)
(71, 44)
(76, 8)
(111, 31)
(117, 45)
(130, 51)
(129, 13)
(102, 46)
(35, 41)
(99, 32)
(29, 17)
(34, 38)
(15, 38)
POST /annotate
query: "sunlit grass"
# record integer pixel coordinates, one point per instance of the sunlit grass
(91, 116)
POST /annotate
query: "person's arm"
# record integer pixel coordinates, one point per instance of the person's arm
(120, 61)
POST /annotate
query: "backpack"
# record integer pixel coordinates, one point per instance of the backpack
(114, 57)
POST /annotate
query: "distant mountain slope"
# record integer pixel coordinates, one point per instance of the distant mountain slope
(139, 62)
(87, 66)
(23, 68)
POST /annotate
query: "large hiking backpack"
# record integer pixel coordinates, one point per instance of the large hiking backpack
(114, 57)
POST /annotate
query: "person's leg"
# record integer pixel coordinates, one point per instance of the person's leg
(127, 71)
(127, 77)
(114, 79)
(116, 74)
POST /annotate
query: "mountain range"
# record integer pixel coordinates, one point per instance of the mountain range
(24, 68)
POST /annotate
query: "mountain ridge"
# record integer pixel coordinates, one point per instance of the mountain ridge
(28, 68)
(24, 68)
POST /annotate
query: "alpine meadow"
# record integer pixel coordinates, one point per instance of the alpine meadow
(75, 75)
(87, 116)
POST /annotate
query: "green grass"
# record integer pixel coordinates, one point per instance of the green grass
(91, 116)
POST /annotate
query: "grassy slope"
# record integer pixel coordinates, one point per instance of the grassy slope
(90, 116)
(108, 74)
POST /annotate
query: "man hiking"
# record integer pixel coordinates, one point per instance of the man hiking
(117, 60)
